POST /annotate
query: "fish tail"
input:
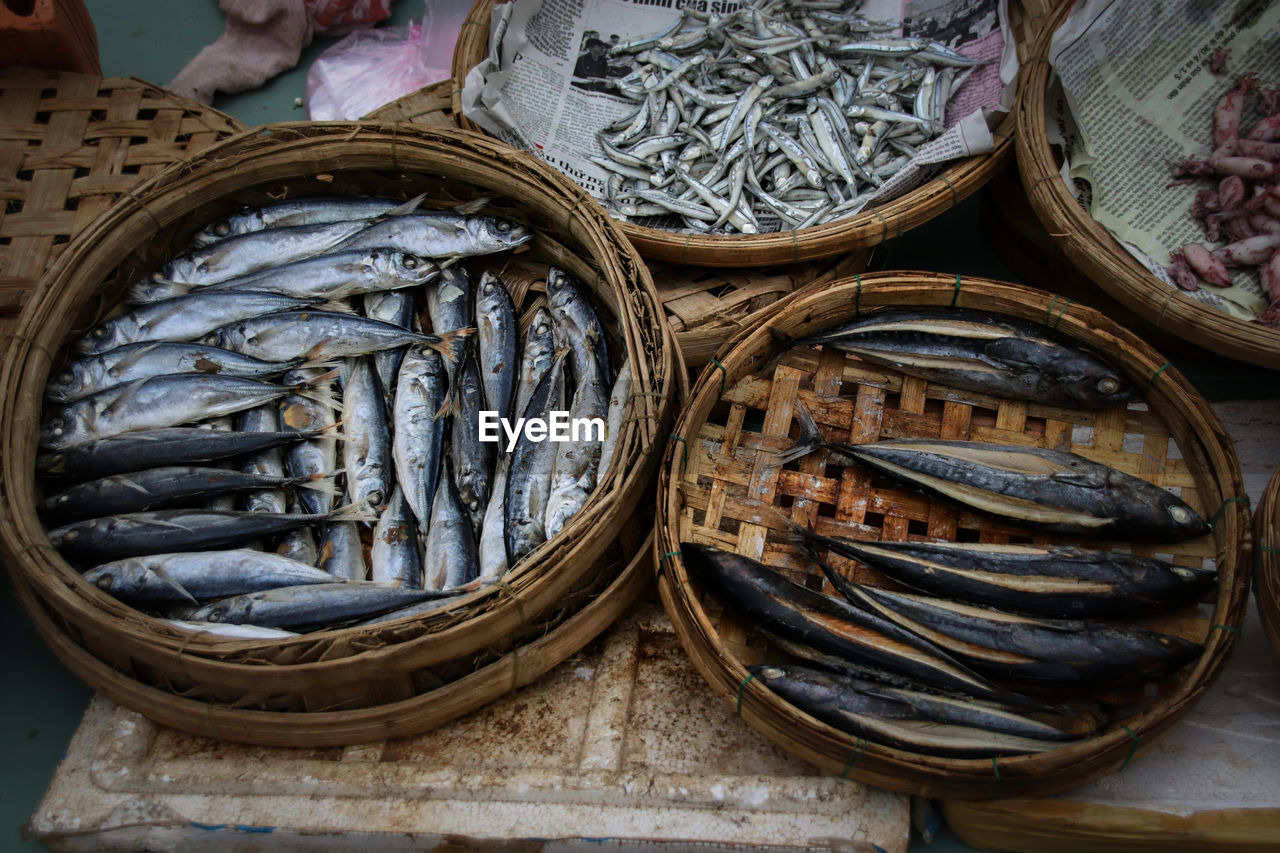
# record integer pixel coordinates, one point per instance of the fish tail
(450, 344)
(810, 437)
(337, 306)
(355, 512)
(322, 482)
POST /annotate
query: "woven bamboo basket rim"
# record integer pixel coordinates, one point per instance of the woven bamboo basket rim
(871, 227)
(1267, 561)
(517, 668)
(432, 105)
(270, 155)
(1208, 472)
(71, 144)
(1098, 254)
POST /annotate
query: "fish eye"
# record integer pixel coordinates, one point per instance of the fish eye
(772, 672)
(375, 497)
(503, 226)
(222, 228)
(100, 332)
(105, 581)
(66, 376)
(217, 614)
(1108, 385)
(1179, 514)
(70, 535)
(410, 262)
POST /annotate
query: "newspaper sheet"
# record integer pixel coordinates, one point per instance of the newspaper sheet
(546, 85)
(1136, 96)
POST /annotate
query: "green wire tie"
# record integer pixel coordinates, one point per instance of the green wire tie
(1226, 628)
(1132, 750)
(684, 251)
(995, 767)
(686, 448)
(724, 374)
(506, 587)
(1156, 375)
(955, 197)
(884, 223)
(1038, 181)
(665, 557)
(955, 294)
(742, 687)
(1002, 134)
(795, 246)
(859, 750)
(857, 297)
(1217, 515)
(1052, 321)
(472, 22)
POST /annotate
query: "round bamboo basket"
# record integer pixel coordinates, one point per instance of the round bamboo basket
(350, 668)
(870, 228)
(1266, 589)
(717, 475)
(1098, 254)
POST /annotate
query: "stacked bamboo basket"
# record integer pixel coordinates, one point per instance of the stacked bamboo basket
(355, 684)
(1098, 254)
(718, 473)
(1266, 532)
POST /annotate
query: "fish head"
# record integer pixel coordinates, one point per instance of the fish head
(66, 385)
(1184, 521)
(229, 226)
(1102, 386)
(153, 288)
(106, 336)
(57, 430)
(219, 611)
(120, 578)
(403, 266)
(495, 234)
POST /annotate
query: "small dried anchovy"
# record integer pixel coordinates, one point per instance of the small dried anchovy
(741, 117)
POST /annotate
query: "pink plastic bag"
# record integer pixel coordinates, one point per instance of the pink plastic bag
(373, 67)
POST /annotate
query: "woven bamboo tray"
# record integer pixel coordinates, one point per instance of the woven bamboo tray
(869, 228)
(1098, 254)
(70, 145)
(717, 474)
(1266, 590)
(351, 668)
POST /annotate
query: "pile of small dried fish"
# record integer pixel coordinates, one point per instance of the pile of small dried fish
(977, 661)
(285, 427)
(780, 115)
(1243, 210)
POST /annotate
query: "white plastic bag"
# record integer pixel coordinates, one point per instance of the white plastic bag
(367, 69)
